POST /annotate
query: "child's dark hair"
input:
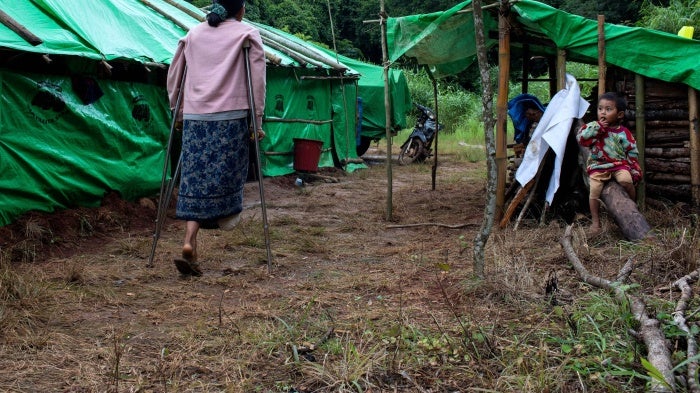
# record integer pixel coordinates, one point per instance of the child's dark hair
(618, 99)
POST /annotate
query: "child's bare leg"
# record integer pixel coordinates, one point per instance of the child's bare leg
(631, 190)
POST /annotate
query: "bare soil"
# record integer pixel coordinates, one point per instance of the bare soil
(82, 312)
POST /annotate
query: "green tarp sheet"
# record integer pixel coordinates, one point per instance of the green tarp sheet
(85, 111)
(371, 91)
(62, 146)
(445, 41)
(115, 29)
(289, 99)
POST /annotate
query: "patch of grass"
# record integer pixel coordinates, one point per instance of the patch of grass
(21, 304)
(351, 370)
(135, 246)
(598, 346)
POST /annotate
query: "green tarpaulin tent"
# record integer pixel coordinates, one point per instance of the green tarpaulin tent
(84, 109)
(445, 41)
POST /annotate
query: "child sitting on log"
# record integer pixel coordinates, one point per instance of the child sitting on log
(613, 153)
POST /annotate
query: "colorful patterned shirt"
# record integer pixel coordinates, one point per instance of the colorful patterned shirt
(612, 149)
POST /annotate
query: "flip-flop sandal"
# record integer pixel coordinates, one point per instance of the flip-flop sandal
(187, 268)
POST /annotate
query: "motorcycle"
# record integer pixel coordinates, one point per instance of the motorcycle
(418, 146)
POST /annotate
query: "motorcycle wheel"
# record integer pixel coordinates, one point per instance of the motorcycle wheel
(411, 151)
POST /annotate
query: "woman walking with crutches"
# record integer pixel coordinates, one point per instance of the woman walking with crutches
(215, 110)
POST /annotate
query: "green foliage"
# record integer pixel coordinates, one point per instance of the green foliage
(200, 3)
(457, 107)
(599, 346)
(671, 18)
(619, 12)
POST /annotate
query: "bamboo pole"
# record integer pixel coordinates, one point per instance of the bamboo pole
(303, 121)
(602, 71)
(464, 11)
(694, 146)
(165, 14)
(561, 69)
(342, 91)
(186, 10)
(501, 110)
(387, 109)
(302, 60)
(640, 134)
(316, 56)
(18, 28)
(437, 129)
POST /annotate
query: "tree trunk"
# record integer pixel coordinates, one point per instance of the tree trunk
(624, 211)
(487, 101)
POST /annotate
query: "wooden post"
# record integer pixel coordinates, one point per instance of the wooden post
(601, 55)
(387, 108)
(561, 69)
(694, 146)
(640, 134)
(437, 129)
(18, 28)
(502, 109)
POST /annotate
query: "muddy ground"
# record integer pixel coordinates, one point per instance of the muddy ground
(82, 312)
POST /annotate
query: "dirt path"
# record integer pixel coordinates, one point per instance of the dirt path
(83, 313)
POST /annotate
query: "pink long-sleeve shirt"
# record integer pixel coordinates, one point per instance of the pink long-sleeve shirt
(216, 79)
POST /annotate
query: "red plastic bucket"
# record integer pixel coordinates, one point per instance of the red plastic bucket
(307, 153)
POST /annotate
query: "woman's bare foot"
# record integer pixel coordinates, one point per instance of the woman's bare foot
(187, 265)
(188, 253)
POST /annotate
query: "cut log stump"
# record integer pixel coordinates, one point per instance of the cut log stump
(625, 213)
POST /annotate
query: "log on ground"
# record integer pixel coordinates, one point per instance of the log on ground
(625, 213)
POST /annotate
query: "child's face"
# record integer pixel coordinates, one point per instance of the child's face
(608, 113)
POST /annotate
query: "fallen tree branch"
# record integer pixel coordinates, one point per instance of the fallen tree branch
(658, 353)
(683, 284)
(434, 224)
(626, 271)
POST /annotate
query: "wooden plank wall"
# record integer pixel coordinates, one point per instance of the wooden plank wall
(667, 152)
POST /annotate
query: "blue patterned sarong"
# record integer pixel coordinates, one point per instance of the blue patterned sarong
(214, 170)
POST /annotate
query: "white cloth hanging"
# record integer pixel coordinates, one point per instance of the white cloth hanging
(552, 132)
